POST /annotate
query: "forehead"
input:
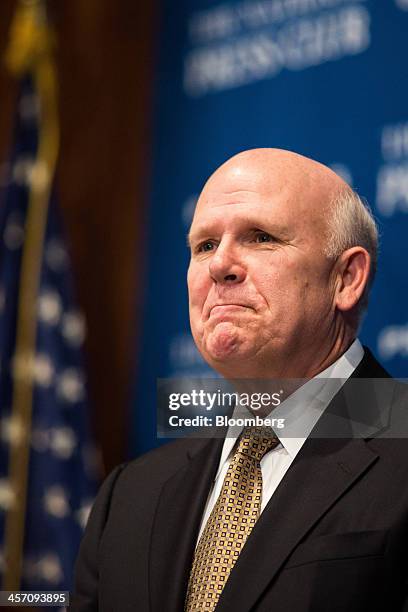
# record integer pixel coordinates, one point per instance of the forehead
(252, 199)
(236, 211)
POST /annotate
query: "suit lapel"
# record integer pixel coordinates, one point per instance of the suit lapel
(319, 476)
(177, 521)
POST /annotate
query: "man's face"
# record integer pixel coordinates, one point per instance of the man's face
(260, 288)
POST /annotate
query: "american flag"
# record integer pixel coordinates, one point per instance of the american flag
(62, 468)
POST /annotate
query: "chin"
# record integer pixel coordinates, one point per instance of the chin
(225, 342)
(230, 368)
(232, 362)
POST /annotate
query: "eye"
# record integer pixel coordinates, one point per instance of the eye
(262, 237)
(205, 247)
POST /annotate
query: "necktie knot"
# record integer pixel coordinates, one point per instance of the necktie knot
(255, 442)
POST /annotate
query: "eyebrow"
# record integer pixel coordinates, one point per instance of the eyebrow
(200, 234)
(195, 236)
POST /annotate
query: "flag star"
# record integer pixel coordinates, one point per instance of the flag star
(70, 385)
(56, 255)
(49, 568)
(63, 442)
(49, 307)
(43, 370)
(56, 502)
(6, 494)
(46, 568)
(73, 328)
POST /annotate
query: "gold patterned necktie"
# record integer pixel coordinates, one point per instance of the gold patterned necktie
(231, 521)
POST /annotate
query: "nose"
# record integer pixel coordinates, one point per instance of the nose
(225, 266)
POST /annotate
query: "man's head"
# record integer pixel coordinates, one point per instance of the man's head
(275, 285)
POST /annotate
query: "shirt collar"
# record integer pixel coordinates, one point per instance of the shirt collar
(306, 414)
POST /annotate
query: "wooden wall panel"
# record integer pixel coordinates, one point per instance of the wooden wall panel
(7, 85)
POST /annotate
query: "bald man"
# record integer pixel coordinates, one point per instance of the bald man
(283, 254)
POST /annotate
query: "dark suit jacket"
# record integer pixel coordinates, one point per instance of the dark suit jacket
(334, 536)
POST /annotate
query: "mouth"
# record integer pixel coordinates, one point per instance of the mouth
(222, 309)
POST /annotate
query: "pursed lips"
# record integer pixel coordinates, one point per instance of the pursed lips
(226, 306)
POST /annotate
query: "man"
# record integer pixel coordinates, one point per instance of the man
(282, 257)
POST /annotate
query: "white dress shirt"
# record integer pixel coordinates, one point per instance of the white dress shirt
(300, 418)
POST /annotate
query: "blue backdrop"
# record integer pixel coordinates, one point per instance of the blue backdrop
(325, 78)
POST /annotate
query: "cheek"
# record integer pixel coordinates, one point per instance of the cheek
(198, 286)
(286, 285)
(277, 280)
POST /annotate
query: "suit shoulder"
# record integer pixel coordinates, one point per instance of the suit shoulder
(160, 463)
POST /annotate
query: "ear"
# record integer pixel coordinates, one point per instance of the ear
(352, 274)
